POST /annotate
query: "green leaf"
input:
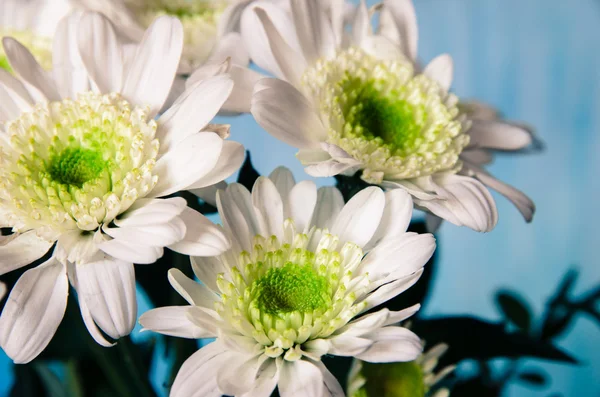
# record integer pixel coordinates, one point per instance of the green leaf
(515, 309)
(53, 385)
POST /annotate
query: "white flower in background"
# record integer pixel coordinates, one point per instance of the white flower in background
(33, 23)
(356, 103)
(302, 271)
(83, 164)
(408, 379)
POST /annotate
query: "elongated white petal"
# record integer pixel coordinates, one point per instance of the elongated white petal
(300, 379)
(390, 290)
(207, 269)
(157, 235)
(197, 375)
(230, 46)
(101, 52)
(269, 207)
(238, 377)
(498, 135)
(193, 110)
(21, 249)
(16, 91)
(331, 167)
(361, 27)
(284, 182)
(441, 69)
(108, 288)
(209, 194)
(291, 64)
(26, 67)
(173, 321)
(234, 220)
(432, 222)
(190, 160)
(523, 203)
(231, 159)
(465, 202)
(405, 18)
(266, 380)
(244, 79)
(329, 204)
(397, 316)
(392, 344)
(33, 311)
(208, 71)
(286, 114)
(302, 202)
(131, 252)
(348, 345)
(314, 30)
(330, 387)
(360, 217)
(396, 216)
(152, 70)
(193, 292)
(68, 70)
(146, 212)
(201, 238)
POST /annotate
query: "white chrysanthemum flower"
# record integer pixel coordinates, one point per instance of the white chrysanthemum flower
(84, 162)
(32, 23)
(416, 378)
(302, 271)
(356, 102)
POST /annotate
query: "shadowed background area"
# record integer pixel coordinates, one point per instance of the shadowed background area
(537, 61)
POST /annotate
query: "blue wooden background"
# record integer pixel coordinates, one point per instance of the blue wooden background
(538, 61)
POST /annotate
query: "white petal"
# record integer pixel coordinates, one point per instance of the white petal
(365, 324)
(70, 75)
(397, 316)
(392, 344)
(208, 71)
(255, 37)
(173, 321)
(360, 217)
(18, 250)
(382, 48)
(498, 135)
(16, 91)
(193, 110)
(331, 168)
(390, 290)
(157, 235)
(405, 18)
(399, 256)
(523, 203)
(267, 201)
(230, 46)
(33, 311)
(302, 202)
(101, 52)
(314, 30)
(329, 204)
(286, 114)
(331, 387)
(131, 252)
(432, 222)
(240, 99)
(238, 196)
(108, 288)
(146, 212)
(441, 69)
(238, 377)
(348, 345)
(202, 237)
(151, 73)
(300, 379)
(361, 27)
(194, 293)
(234, 221)
(284, 182)
(266, 380)
(396, 216)
(190, 160)
(465, 202)
(291, 64)
(209, 194)
(26, 67)
(231, 159)
(197, 375)
(207, 269)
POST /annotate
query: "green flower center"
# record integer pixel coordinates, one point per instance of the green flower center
(374, 114)
(397, 124)
(292, 288)
(76, 166)
(392, 380)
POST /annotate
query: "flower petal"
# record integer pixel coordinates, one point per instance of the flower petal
(329, 204)
(157, 235)
(523, 203)
(314, 30)
(396, 216)
(286, 114)
(392, 344)
(146, 212)
(331, 387)
(197, 375)
(207, 270)
(269, 207)
(302, 202)
(361, 27)
(152, 70)
(131, 252)
(237, 219)
(187, 162)
(194, 293)
(101, 52)
(390, 290)
(231, 159)
(284, 181)
(33, 311)
(300, 379)
(231, 46)
(498, 135)
(238, 377)
(360, 217)
(202, 237)
(18, 250)
(405, 18)
(441, 69)
(266, 380)
(193, 110)
(108, 288)
(69, 73)
(173, 321)
(244, 79)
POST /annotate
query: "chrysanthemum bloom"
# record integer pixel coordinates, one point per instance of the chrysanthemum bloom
(83, 164)
(356, 103)
(302, 271)
(33, 23)
(408, 379)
